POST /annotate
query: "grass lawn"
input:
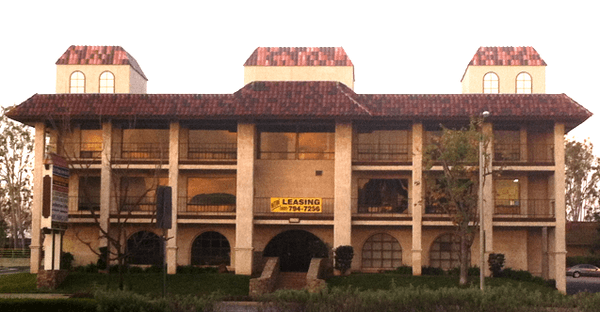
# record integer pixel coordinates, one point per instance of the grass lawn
(143, 283)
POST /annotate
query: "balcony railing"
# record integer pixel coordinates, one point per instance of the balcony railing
(140, 151)
(532, 153)
(84, 150)
(262, 206)
(126, 204)
(532, 208)
(84, 203)
(208, 151)
(219, 203)
(399, 207)
(382, 153)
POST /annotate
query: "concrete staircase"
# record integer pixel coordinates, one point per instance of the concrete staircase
(291, 280)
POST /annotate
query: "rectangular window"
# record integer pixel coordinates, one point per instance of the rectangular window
(211, 195)
(291, 143)
(145, 143)
(382, 195)
(91, 144)
(507, 145)
(383, 145)
(507, 196)
(211, 144)
(89, 193)
(138, 193)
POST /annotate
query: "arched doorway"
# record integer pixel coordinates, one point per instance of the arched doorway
(295, 249)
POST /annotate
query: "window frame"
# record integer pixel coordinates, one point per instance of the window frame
(71, 79)
(522, 90)
(489, 89)
(298, 152)
(395, 259)
(100, 80)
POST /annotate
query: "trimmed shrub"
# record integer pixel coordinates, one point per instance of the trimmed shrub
(403, 270)
(66, 261)
(427, 270)
(343, 258)
(496, 262)
(117, 301)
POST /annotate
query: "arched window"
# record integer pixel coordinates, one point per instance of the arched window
(77, 83)
(107, 82)
(381, 251)
(523, 83)
(445, 252)
(144, 248)
(490, 83)
(210, 248)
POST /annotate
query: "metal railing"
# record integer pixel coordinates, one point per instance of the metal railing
(84, 150)
(125, 204)
(141, 151)
(212, 204)
(296, 155)
(382, 152)
(208, 151)
(262, 206)
(533, 208)
(533, 153)
(84, 203)
(400, 206)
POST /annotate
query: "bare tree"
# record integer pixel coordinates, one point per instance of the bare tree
(130, 198)
(16, 167)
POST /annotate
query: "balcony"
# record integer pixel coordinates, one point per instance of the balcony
(141, 151)
(382, 153)
(208, 204)
(524, 153)
(262, 207)
(524, 208)
(201, 152)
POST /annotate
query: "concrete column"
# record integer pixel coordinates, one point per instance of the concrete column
(545, 273)
(105, 181)
(488, 198)
(560, 251)
(174, 184)
(244, 216)
(417, 198)
(342, 209)
(36, 209)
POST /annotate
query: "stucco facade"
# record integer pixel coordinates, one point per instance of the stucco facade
(231, 160)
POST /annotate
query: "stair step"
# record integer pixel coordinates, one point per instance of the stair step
(291, 280)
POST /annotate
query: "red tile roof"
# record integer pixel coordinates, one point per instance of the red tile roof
(507, 56)
(99, 55)
(298, 57)
(311, 100)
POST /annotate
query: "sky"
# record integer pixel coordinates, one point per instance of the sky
(397, 47)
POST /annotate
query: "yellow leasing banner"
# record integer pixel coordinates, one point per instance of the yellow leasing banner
(297, 205)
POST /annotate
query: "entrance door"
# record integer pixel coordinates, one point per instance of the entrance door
(295, 249)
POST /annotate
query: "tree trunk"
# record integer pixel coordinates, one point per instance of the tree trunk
(464, 264)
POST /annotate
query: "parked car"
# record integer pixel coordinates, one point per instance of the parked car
(583, 270)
